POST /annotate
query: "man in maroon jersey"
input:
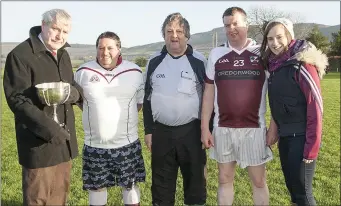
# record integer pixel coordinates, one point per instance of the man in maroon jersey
(236, 88)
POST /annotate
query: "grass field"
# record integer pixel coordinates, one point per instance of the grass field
(326, 183)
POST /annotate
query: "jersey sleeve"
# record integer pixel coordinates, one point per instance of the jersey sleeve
(77, 76)
(310, 85)
(147, 110)
(80, 75)
(210, 71)
(140, 89)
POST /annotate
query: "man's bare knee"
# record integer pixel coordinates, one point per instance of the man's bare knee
(226, 178)
(257, 175)
(226, 173)
(259, 183)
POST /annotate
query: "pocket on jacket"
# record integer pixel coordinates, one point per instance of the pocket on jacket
(290, 101)
(187, 83)
(40, 147)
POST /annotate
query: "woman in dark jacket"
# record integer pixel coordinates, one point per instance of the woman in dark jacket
(294, 69)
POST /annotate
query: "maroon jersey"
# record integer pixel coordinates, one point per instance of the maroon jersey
(240, 86)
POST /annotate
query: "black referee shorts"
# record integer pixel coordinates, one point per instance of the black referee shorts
(174, 147)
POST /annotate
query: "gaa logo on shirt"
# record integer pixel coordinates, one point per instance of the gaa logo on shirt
(160, 76)
(94, 79)
(223, 61)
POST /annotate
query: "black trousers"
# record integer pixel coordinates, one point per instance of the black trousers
(298, 174)
(174, 147)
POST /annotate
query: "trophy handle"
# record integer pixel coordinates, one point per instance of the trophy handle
(47, 100)
(69, 93)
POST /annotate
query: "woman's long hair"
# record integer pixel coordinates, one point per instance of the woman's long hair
(264, 50)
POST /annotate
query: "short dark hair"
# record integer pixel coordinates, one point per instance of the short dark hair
(182, 21)
(232, 10)
(109, 35)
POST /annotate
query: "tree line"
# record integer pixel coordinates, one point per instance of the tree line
(259, 15)
(332, 48)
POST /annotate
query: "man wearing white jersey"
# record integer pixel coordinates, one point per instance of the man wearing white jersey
(113, 95)
(236, 88)
(171, 112)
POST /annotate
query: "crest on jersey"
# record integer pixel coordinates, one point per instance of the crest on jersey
(254, 59)
(94, 79)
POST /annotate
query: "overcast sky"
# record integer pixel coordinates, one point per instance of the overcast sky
(139, 22)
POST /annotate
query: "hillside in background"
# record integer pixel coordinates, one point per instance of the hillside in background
(204, 41)
(200, 41)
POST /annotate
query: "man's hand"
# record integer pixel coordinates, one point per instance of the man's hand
(148, 141)
(207, 139)
(271, 137)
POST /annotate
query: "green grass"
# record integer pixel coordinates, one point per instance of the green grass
(326, 183)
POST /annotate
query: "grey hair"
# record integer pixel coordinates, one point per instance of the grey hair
(182, 21)
(56, 15)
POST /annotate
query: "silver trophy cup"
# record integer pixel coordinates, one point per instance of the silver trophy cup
(54, 93)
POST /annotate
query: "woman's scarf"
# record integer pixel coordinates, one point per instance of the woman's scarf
(294, 48)
(277, 60)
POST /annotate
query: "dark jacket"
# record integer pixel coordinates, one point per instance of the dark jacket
(295, 96)
(288, 106)
(41, 142)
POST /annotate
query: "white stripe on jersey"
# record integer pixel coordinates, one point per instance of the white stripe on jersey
(313, 86)
(256, 51)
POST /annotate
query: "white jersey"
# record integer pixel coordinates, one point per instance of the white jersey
(110, 116)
